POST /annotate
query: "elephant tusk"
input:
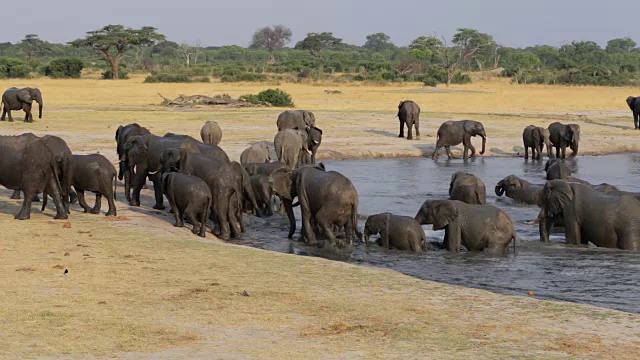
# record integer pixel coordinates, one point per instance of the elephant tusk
(153, 172)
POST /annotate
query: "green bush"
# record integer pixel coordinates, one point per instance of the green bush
(274, 97)
(13, 68)
(174, 78)
(122, 73)
(245, 76)
(67, 67)
(461, 79)
(429, 81)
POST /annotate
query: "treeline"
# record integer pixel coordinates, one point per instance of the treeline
(321, 56)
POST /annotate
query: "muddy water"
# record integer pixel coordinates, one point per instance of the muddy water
(601, 277)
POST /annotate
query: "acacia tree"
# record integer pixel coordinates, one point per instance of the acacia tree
(271, 38)
(112, 41)
(316, 42)
(33, 46)
(378, 42)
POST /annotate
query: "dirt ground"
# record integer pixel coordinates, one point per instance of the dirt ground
(137, 287)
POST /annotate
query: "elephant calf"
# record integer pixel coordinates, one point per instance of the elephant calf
(401, 232)
(211, 133)
(452, 133)
(519, 190)
(95, 173)
(557, 169)
(263, 193)
(476, 227)
(536, 137)
(256, 153)
(188, 196)
(467, 188)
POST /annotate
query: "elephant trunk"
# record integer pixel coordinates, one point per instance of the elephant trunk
(574, 147)
(38, 99)
(499, 189)
(484, 143)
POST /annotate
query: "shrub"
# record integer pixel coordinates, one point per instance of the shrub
(64, 68)
(122, 72)
(245, 76)
(174, 78)
(274, 97)
(460, 78)
(429, 81)
(13, 68)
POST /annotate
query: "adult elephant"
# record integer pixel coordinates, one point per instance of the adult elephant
(591, 216)
(519, 190)
(314, 139)
(291, 146)
(535, 137)
(327, 199)
(126, 170)
(467, 188)
(400, 232)
(409, 113)
(563, 135)
(16, 99)
(476, 227)
(211, 133)
(256, 153)
(296, 119)
(634, 105)
(27, 164)
(557, 169)
(452, 133)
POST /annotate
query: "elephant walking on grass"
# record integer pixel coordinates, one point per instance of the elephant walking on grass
(126, 169)
(634, 105)
(21, 99)
(476, 227)
(95, 173)
(536, 137)
(409, 113)
(211, 133)
(188, 196)
(467, 188)
(400, 232)
(562, 135)
(452, 133)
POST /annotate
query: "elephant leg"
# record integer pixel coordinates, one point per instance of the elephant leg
(139, 179)
(4, 112)
(221, 209)
(97, 205)
(401, 129)
(636, 120)
(112, 205)
(177, 216)
(191, 215)
(323, 219)
(8, 111)
(465, 151)
(127, 185)
(82, 201)
(409, 134)
(557, 152)
(417, 125)
(25, 210)
(435, 152)
(234, 222)
(15, 195)
(53, 189)
(526, 153)
(157, 189)
(449, 154)
(564, 152)
(27, 109)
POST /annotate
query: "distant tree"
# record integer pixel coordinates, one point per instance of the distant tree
(471, 42)
(622, 45)
(271, 38)
(316, 42)
(112, 41)
(33, 46)
(378, 42)
(64, 68)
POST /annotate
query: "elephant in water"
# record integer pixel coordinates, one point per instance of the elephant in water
(519, 190)
(467, 188)
(634, 105)
(211, 133)
(292, 147)
(409, 113)
(400, 232)
(605, 220)
(296, 120)
(16, 99)
(452, 133)
(256, 153)
(476, 227)
(536, 137)
(557, 169)
(562, 135)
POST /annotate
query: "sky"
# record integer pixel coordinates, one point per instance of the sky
(513, 23)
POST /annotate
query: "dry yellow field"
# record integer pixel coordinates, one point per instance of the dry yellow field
(138, 288)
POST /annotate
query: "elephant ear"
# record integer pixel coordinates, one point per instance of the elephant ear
(453, 179)
(25, 96)
(281, 181)
(575, 132)
(469, 127)
(118, 132)
(631, 102)
(559, 195)
(444, 212)
(567, 133)
(401, 103)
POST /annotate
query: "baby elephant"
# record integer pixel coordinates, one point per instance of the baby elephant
(401, 232)
(263, 192)
(468, 188)
(188, 195)
(95, 173)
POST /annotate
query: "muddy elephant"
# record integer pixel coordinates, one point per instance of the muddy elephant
(292, 147)
(256, 153)
(188, 196)
(399, 232)
(265, 168)
(21, 99)
(246, 195)
(535, 137)
(519, 190)
(562, 135)
(476, 227)
(467, 188)
(126, 171)
(27, 164)
(591, 216)
(95, 173)
(296, 120)
(556, 169)
(634, 105)
(327, 199)
(264, 193)
(452, 133)
(211, 133)
(409, 113)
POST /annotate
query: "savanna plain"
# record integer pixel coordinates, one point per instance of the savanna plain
(137, 287)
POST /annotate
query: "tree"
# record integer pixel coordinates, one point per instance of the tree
(316, 42)
(112, 41)
(378, 42)
(33, 46)
(271, 38)
(471, 42)
(622, 45)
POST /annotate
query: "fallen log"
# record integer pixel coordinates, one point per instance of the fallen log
(193, 100)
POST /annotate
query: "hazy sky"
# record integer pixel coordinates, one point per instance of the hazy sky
(226, 22)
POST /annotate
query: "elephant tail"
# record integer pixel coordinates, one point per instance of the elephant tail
(115, 186)
(513, 238)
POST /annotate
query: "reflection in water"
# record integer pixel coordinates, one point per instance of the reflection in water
(602, 277)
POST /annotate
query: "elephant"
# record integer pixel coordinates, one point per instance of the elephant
(211, 133)
(401, 232)
(409, 113)
(591, 216)
(263, 192)
(327, 199)
(95, 173)
(452, 133)
(126, 171)
(476, 227)
(467, 188)
(188, 196)
(256, 153)
(562, 135)
(314, 137)
(265, 168)
(16, 99)
(296, 120)
(556, 169)
(291, 146)
(519, 190)
(144, 152)
(246, 195)
(27, 164)
(535, 137)
(635, 108)
(221, 180)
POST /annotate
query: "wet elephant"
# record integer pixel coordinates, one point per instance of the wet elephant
(399, 232)
(536, 137)
(563, 135)
(467, 188)
(556, 169)
(452, 133)
(519, 190)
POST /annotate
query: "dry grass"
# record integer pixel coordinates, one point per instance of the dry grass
(137, 286)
